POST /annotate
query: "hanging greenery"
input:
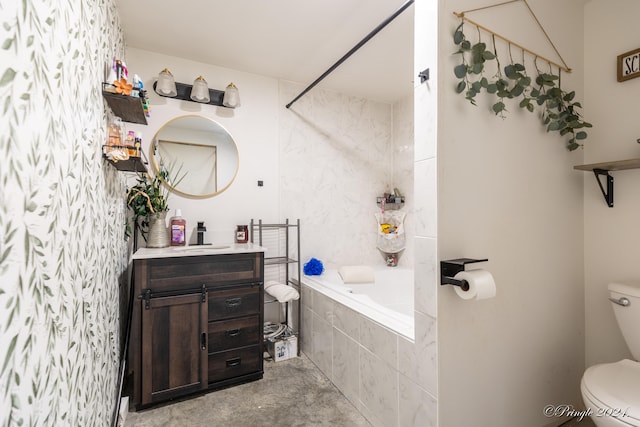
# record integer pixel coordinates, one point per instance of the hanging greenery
(560, 112)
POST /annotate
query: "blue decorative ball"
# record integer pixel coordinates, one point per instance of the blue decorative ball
(313, 268)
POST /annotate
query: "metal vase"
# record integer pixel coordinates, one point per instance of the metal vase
(158, 231)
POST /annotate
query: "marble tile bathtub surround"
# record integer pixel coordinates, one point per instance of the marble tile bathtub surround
(366, 148)
(426, 206)
(306, 330)
(426, 276)
(322, 338)
(416, 408)
(378, 389)
(346, 367)
(426, 128)
(346, 320)
(379, 340)
(419, 359)
(381, 373)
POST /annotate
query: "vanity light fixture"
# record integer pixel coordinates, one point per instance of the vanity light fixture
(231, 96)
(200, 91)
(166, 85)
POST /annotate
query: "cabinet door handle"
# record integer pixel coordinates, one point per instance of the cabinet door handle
(203, 341)
(233, 332)
(233, 302)
(233, 362)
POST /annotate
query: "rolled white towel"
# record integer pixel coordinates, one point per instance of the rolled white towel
(282, 293)
(356, 274)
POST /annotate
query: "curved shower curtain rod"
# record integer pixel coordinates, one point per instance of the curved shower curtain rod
(354, 49)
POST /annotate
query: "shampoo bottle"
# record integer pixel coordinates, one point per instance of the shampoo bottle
(178, 229)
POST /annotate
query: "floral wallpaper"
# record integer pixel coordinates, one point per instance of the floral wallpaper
(62, 250)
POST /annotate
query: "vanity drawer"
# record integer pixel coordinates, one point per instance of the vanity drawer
(191, 272)
(226, 334)
(233, 363)
(234, 302)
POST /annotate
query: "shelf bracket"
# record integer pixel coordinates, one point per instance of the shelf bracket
(608, 193)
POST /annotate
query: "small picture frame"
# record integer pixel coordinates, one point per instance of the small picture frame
(629, 65)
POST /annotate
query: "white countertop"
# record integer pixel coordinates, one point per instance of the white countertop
(198, 250)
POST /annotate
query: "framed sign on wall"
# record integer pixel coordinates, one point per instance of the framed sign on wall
(629, 65)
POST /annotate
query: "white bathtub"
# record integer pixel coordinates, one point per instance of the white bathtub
(388, 301)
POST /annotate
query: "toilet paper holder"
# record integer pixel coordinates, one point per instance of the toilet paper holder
(451, 267)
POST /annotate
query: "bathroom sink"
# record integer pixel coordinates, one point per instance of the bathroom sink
(201, 248)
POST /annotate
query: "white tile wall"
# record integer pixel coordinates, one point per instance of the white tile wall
(346, 367)
(378, 388)
(417, 408)
(426, 207)
(365, 148)
(347, 150)
(418, 360)
(390, 379)
(426, 276)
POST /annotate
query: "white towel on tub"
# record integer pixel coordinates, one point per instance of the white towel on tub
(281, 292)
(356, 274)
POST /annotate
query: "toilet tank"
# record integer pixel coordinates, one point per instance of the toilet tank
(628, 316)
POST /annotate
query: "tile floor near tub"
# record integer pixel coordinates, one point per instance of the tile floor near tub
(292, 393)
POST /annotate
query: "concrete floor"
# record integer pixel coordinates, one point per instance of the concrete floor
(577, 422)
(292, 393)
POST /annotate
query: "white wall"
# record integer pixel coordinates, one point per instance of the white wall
(611, 234)
(507, 192)
(323, 161)
(253, 126)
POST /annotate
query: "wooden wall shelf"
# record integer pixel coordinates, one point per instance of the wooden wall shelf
(603, 169)
(616, 165)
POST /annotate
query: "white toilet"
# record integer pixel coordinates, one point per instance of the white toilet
(611, 391)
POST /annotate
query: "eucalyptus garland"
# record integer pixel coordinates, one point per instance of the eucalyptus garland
(560, 112)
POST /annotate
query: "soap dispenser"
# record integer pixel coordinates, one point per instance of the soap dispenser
(178, 228)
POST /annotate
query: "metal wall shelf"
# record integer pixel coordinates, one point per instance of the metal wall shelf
(132, 164)
(395, 205)
(279, 260)
(128, 108)
(602, 170)
(283, 243)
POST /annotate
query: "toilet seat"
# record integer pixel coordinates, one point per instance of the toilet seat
(615, 386)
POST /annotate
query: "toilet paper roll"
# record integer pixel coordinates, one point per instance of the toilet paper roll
(481, 284)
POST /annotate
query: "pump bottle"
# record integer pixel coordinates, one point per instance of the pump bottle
(178, 229)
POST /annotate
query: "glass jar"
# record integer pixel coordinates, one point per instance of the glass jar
(242, 234)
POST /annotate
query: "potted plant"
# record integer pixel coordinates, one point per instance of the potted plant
(148, 202)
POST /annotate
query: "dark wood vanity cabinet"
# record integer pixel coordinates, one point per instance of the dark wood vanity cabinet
(197, 324)
(173, 349)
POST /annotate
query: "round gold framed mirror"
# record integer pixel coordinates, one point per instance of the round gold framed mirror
(195, 156)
